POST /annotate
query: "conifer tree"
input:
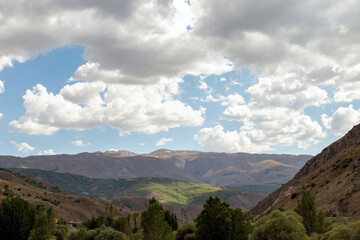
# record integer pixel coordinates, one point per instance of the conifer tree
(153, 222)
(307, 209)
(217, 221)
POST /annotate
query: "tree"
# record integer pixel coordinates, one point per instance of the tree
(17, 218)
(279, 225)
(153, 222)
(185, 231)
(307, 209)
(218, 221)
(240, 227)
(171, 219)
(41, 229)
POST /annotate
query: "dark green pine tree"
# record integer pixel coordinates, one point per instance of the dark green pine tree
(171, 219)
(153, 222)
(217, 221)
(307, 209)
(17, 218)
(241, 228)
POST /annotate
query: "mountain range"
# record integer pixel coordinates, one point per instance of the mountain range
(224, 169)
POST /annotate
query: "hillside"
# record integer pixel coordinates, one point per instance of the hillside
(333, 177)
(234, 169)
(65, 205)
(168, 191)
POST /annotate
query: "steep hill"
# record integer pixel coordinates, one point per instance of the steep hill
(235, 169)
(333, 177)
(65, 205)
(168, 191)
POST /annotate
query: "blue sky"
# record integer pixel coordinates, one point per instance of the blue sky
(202, 76)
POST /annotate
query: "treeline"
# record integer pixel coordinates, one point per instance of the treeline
(217, 221)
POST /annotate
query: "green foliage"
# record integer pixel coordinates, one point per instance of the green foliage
(186, 231)
(191, 236)
(153, 222)
(41, 229)
(94, 223)
(340, 232)
(279, 226)
(307, 209)
(17, 218)
(240, 227)
(171, 219)
(8, 192)
(105, 233)
(218, 221)
(60, 232)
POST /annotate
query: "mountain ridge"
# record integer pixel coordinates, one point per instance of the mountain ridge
(193, 166)
(333, 177)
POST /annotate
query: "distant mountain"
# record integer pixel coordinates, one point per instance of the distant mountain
(183, 198)
(333, 177)
(100, 165)
(65, 205)
(234, 169)
(168, 191)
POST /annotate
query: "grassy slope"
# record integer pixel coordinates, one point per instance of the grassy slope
(169, 191)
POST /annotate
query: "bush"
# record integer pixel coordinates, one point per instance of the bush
(279, 225)
(185, 230)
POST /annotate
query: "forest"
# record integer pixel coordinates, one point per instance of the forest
(217, 221)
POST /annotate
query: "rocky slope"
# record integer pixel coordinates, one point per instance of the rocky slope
(333, 177)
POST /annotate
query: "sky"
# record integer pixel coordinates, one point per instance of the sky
(227, 76)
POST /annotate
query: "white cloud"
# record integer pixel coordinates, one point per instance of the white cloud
(23, 147)
(233, 99)
(342, 120)
(47, 152)
(217, 140)
(131, 77)
(210, 98)
(80, 143)
(129, 108)
(2, 89)
(163, 141)
(1, 115)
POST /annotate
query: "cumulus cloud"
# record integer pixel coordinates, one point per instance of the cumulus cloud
(217, 140)
(342, 120)
(163, 141)
(79, 143)
(273, 116)
(47, 152)
(23, 147)
(131, 78)
(129, 108)
(121, 46)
